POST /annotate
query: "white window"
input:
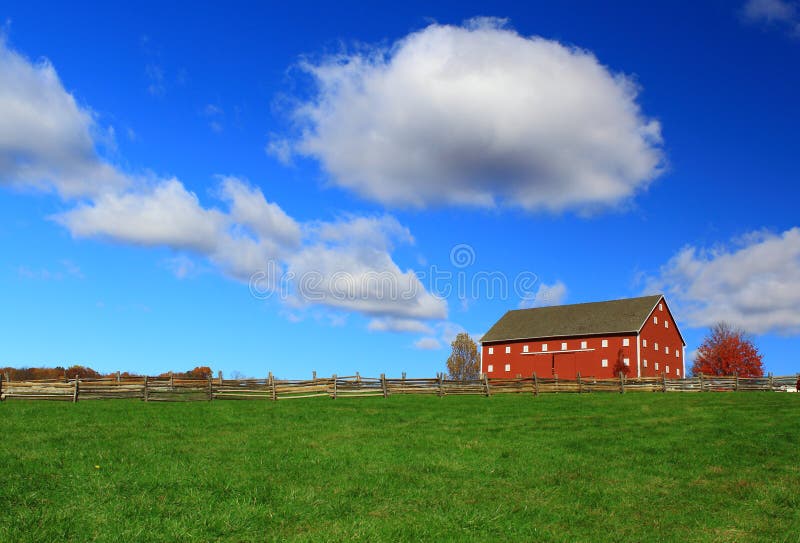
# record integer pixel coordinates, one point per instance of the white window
(644, 362)
(583, 344)
(666, 349)
(667, 369)
(666, 324)
(544, 347)
(490, 368)
(508, 367)
(626, 342)
(661, 307)
(563, 346)
(656, 366)
(491, 351)
(644, 343)
(626, 361)
(678, 371)
(656, 346)
(677, 353)
(655, 319)
(508, 350)
(524, 348)
(604, 363)
(605, 343)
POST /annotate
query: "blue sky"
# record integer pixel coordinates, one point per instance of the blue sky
(226, 185)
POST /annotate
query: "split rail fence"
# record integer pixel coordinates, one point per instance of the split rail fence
(153, 389)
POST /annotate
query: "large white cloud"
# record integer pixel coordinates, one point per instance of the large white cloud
(46, 138)
(48, 141)
(753, 284)
(477, 115)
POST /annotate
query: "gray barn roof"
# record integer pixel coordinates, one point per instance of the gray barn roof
(611, 317)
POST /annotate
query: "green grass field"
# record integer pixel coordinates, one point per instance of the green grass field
(633, 467)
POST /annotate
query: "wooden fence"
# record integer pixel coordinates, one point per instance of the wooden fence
(154, 389)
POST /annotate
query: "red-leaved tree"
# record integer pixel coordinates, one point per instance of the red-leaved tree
(727, 350)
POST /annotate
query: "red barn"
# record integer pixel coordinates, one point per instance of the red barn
(588, 339)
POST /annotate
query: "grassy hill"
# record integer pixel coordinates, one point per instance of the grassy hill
(633, 467)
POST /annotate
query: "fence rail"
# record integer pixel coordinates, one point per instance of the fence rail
(169, 389)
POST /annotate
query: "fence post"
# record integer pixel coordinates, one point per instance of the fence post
(701, 382)
(273, 393)
(736, 384)
(404, 383)
(440, 392)
(118, 377)
(771, 382)
(358, 377)
(219, 377)
(486, 384)
(621, 384)
(313, 375)
(1, 388)
(146, 392)
(555, 382)
(210, 386)
(664, 381)
(171, 382)
(75, 392)
(535, 384)
(580, 384)
(383, 385)
(334, 386)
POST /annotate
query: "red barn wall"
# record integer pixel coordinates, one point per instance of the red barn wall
(566, 363)
(666, 338)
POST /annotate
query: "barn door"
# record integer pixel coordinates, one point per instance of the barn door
(565, 365)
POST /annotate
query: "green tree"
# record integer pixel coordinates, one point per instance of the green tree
(464, 362)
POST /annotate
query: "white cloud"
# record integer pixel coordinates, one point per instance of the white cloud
(427, 344)
(546, 295)
(752, 284)
(163, 215)
(477, 115)
(47, 140)
(267, 220)
(348, 265)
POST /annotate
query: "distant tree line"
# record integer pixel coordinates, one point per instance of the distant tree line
(85, 372)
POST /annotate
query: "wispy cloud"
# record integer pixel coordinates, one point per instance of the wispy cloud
(546, 295)
(778, 13)
(155, 76)
(66, 269)
(428, 344)
(214, 114)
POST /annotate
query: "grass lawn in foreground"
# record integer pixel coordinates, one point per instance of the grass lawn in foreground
(594, 467)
